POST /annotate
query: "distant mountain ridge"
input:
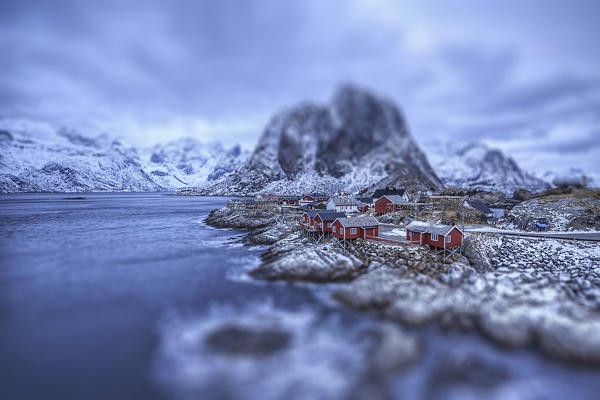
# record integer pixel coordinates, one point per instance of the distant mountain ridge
(474, 165)
(356, 143)
(40, 158)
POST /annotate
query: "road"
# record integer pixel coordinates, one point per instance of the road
(587, 236)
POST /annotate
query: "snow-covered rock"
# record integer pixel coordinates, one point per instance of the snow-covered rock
(356, 141)
(527, 291)
(476, 166)
(579, 210)
(38, 157)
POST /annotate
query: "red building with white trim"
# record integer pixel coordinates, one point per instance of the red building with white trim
(389, 203)
(436, 235)
(355, 228)
(325, 219)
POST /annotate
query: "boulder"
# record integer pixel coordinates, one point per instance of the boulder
(522, 195)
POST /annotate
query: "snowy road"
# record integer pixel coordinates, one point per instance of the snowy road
(587, 236)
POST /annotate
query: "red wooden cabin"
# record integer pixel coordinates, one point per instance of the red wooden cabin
(389, 203)
(325, 219)
(289, 200)
(436, 235)
(309, 198)
(355, 228)
(307, 222)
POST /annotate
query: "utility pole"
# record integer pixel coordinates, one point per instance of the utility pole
(462, 212)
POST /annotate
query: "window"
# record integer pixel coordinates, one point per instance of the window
(353, 231)
(448, 239)
(329, 224)
(333, 229)
(434, 237)
(320, 225)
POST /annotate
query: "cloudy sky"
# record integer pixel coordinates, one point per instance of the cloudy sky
(521, 75)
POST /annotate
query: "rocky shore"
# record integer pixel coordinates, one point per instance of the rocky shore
(518, 292)
(575, 210)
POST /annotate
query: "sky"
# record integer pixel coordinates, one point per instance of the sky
(523, 76)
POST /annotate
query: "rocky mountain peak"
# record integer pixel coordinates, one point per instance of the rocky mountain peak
(352, 143)
(366, 118)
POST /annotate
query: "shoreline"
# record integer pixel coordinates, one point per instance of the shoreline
(517, 303)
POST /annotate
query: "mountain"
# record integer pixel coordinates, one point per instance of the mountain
(571, 175)
(189, 162)
(476, 166)
(356, 142)
(40, 158)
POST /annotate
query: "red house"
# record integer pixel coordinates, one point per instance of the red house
(389, 203)
(325, 219)
(355, 228)
(436, 235)
(308, 221)
(309, 198)
(289, 200)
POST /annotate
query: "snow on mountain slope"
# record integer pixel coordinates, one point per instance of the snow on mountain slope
(476, 166)
(188, 162)
(37, 157)
(358, 141)
(571, 174)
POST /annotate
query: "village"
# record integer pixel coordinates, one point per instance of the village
(394, 216)
(421, 257)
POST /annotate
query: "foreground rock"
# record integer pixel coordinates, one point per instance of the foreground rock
(527, 292)
(227, 217)
(295, 259)
(247, 340)
(261, 351)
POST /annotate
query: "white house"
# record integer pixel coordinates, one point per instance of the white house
(343, 204)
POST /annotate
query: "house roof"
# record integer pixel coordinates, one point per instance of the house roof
(289, 197)
(480, 206)
(327, 216)
(367, 200)
(353, 222)
(314, 203)
(382, 192)
(311, 213)
(430, 227)
(394, 198)
(344, 201)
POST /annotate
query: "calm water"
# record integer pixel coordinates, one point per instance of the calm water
(110, 297)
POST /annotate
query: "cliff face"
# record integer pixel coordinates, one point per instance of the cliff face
(357, 141)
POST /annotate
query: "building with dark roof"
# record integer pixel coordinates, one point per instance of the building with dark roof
(389, 191)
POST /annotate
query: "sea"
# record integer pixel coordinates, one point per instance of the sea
(115, 296)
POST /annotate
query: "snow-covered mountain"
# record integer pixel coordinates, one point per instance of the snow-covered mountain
(358, 141)
(572, 175)
(38, 157)
(476, 166)
(188, 162)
